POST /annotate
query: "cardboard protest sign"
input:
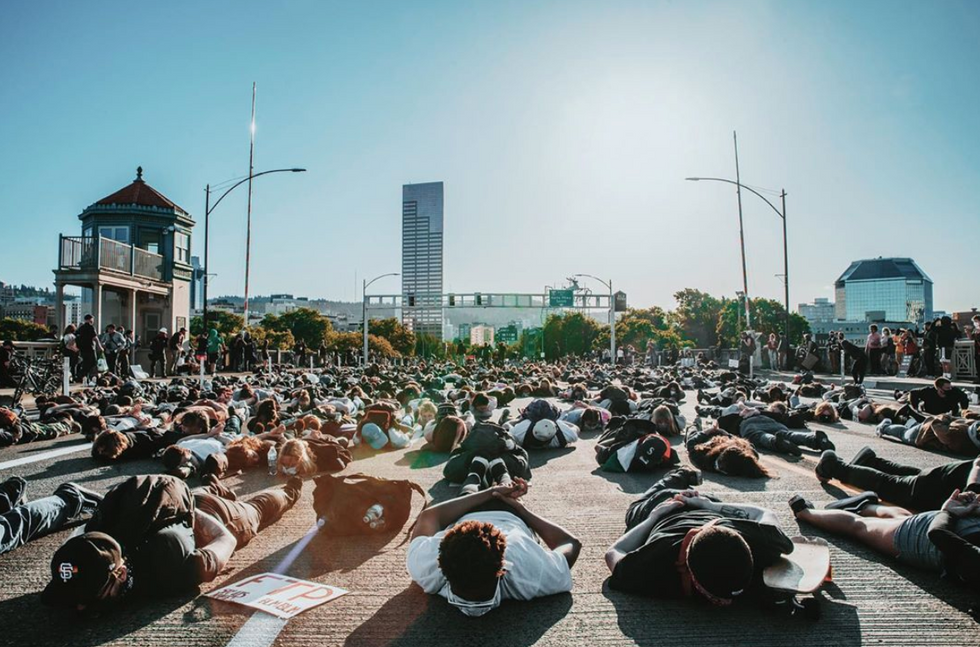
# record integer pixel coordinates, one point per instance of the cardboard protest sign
(280, 595)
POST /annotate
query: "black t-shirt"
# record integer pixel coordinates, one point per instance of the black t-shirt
(85, 337)
(168, 562)
(652, 568)
(613, 393)
(935, 404)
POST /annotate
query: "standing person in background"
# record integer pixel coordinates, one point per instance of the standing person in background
(69, 349)
(975, 336)
(113, 342)
(174, 348)
(929, 347)
(746, 349)
(214, 347)
(784, 353)
(946, 338)
(860, 357)
(124, 358)
(158, 349)
(6, 356)
(87, 340)
(833, 351)
(873, 348)
(887, 351)
(772, 350)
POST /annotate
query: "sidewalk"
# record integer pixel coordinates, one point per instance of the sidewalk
(884, 382)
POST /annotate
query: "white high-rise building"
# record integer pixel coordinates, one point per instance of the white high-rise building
(422, 219)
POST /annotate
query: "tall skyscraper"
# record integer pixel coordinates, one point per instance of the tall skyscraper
(422, 257)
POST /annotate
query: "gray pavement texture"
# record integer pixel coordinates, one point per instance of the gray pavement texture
(871, 601)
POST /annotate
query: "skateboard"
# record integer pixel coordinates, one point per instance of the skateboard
(801, 572)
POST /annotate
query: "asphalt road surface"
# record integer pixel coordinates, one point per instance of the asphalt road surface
(871, 600)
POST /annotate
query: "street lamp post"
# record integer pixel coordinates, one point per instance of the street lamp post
(364, 318)
(208, 208)
(782, 215)
(612, 315)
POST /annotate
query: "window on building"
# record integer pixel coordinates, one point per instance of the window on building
(182, 248)
(120, 234)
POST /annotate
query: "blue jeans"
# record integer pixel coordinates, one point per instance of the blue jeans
(37, 518)
(905, 434)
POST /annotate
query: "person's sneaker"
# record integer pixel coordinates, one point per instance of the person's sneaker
(864, 457)
(680, 478)
(701, 396)
(880, 428)
(897, 394)
(90, 499)
(476, 479)
(294, 486)
(784, 445)
(826, 467)
(13, 492)
(854, 503)
(798, 504)
(498, 472)
(504, 416)
(823, 441)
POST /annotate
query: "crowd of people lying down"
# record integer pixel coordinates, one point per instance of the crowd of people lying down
(177, 526)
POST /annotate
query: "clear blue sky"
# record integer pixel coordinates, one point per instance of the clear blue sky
(562, 131)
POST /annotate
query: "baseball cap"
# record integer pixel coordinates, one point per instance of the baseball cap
(544, 430)
(80, 569)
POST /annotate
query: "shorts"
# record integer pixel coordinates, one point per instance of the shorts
(913, 545)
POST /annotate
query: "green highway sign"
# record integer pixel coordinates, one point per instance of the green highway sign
(561, 298)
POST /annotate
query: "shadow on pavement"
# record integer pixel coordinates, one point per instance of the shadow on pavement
(413, 618)
(40, 625)
(422, 458)
(743, 624)
(539, 457)
(631, 483)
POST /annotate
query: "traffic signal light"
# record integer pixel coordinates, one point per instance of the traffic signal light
(479, 299)
(452, 300)
(411, 301)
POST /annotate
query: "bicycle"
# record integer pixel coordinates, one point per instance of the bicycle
(37, 377)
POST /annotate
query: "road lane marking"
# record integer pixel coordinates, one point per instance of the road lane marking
(54, 453)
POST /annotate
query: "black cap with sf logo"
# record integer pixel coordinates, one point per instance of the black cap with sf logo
(80, 569)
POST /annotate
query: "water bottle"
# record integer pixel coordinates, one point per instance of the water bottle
(374, 517)
(273, 457)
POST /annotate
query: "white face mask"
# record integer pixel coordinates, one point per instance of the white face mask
(289, 471)
(474, 609)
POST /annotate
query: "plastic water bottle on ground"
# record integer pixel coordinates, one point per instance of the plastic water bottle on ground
(273, 457)
(374, 517)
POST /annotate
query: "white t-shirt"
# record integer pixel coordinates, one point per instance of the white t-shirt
(566, 429)
(202, 447)
(533, 571)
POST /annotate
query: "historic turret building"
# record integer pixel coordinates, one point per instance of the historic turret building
(134, 259)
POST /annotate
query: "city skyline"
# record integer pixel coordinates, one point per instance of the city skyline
(578, 129)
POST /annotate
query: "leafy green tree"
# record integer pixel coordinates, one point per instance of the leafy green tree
(277, 340)
(696, 317)
(429, 346)
(342, 342)
(226, 323)
(304, 323)
(21, 330)
(768, 316)
(401, 338)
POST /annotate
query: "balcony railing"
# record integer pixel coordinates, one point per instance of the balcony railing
(97, 253)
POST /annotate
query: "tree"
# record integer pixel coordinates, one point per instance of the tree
(696, 317)
(226, 323)
(429, 346)
(401, 338)
(21, 330)
(305, 324)
(767, 316)
(344, 342)
(277, 340)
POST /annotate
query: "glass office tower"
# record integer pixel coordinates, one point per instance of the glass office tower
(422, 219)
(884, 289)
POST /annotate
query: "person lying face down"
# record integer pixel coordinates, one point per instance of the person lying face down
(481, 548)
(682, 544)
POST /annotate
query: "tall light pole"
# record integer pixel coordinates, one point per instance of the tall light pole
(248, 225)
(741, 236)
(208, 208)
(364, 318)
(782, 215)
(612, 315)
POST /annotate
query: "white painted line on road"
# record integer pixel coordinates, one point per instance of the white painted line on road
(54, 453)
(261, 630)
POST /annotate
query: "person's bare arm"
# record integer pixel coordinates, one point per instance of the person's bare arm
(554, 536)
(637, 536)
